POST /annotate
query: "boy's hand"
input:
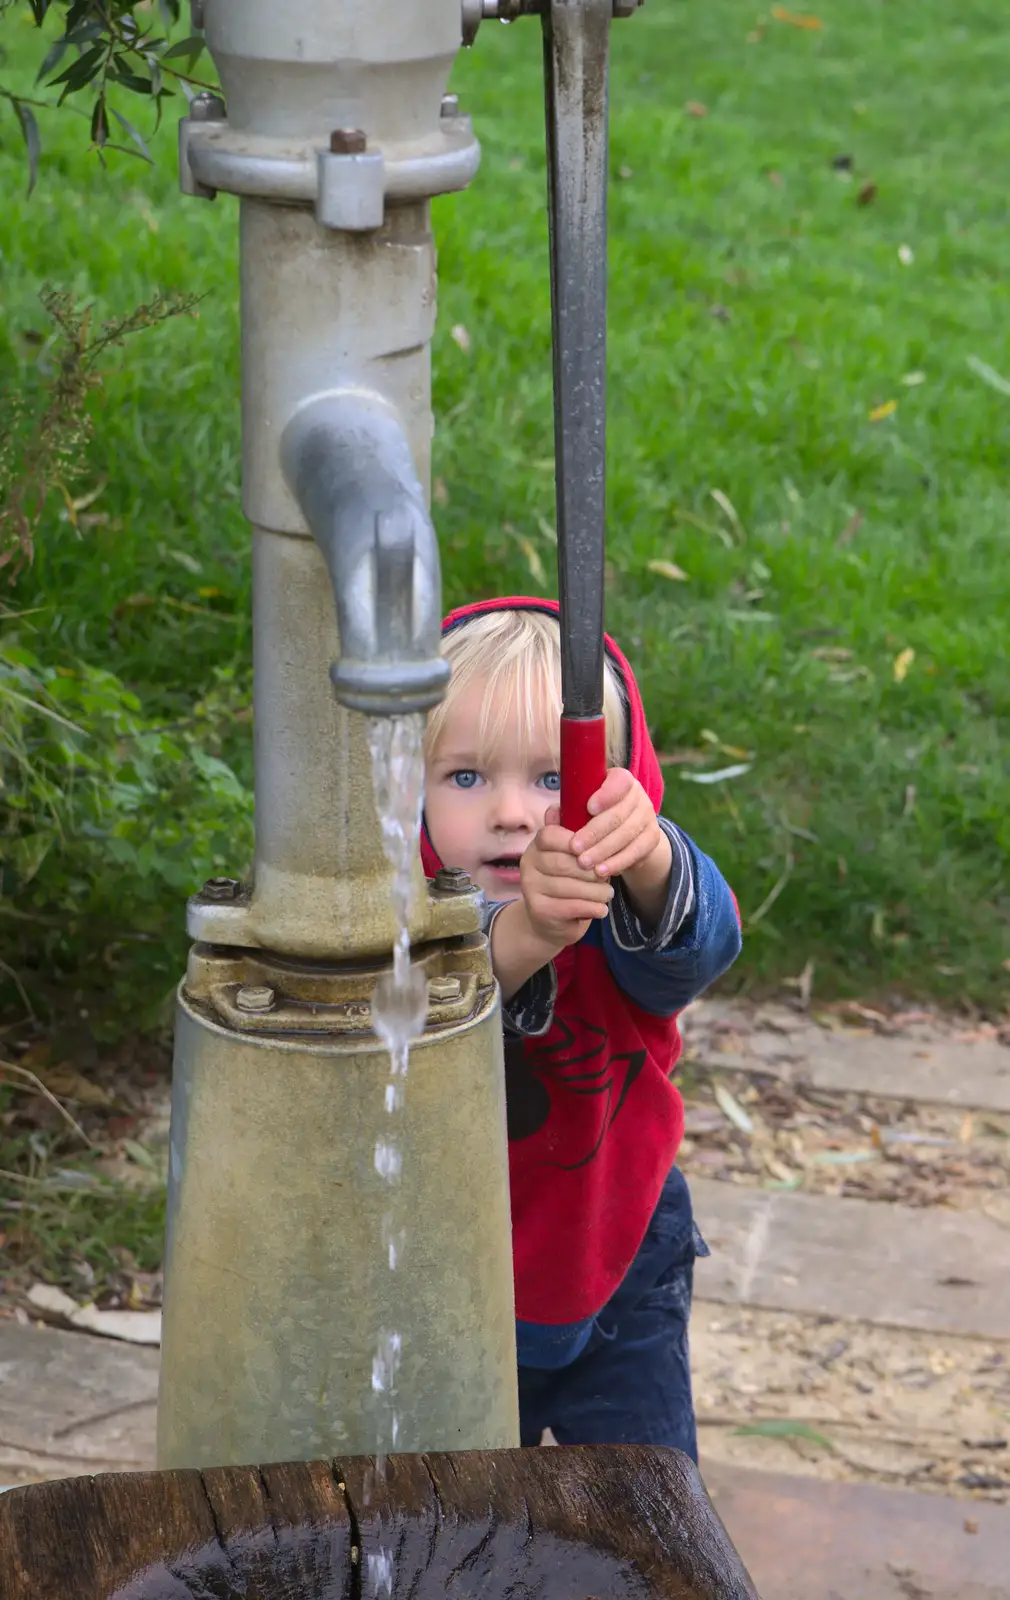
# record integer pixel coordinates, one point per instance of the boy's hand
(561, 897)
(623, 830)
(623, 839)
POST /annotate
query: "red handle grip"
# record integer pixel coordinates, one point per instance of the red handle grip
(583, 767)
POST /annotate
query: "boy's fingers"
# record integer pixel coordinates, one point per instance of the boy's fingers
(615, 785)
(555, 864)
(614, 816)
(587, 888)
(576, 911)
(552, 837)
(613, 866)
(614, 845)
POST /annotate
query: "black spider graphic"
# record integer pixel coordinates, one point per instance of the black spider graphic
(574, 1062)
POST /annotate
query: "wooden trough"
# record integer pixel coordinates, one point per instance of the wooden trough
(602, 1522)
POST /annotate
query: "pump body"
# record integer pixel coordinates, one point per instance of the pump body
(334, 134)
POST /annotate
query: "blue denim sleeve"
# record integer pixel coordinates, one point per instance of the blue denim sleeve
(666, 979)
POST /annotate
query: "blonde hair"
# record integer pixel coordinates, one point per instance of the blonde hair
(518, 655)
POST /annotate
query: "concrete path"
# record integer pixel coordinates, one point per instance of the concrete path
(71, 1404)
(946, 1271)
(930, 1060)
(803, 1540)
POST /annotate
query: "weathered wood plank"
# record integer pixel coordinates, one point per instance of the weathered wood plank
(856, 1259)
(933, 1069)
(806, 1540)
(614, 1524)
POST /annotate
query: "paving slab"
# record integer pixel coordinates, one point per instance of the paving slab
(927, 1065)
(71, 1404)
(891, 1265)
(805, 1540)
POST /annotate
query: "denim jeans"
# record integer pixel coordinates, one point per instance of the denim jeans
(631, 1384)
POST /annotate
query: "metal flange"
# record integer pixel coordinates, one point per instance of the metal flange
(349, 183)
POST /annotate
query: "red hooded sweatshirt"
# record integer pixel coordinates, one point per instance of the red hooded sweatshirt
(594, 1119)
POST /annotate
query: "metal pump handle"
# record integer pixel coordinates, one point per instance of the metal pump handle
(576, 80)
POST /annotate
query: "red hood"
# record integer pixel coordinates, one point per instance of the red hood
(642, 760)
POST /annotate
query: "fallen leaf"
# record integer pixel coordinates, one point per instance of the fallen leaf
(533, 560)
(842, 1158)
(732, 1109)
(902, 661)
(784, 1174)
(783, 1428)
(668, 569)
(725, 504)
(132, 1327)
(683, 758)
(867, 194)
(694, 108)
(888, 409)
(970, 1525)
(967, 1130)
(439, 492)
(831, 652)
(911, 380)
(776, 178)
(794, 19)
(736, 615)
(460, 336)
(906, 255)
(722, 776)
(988, 374)
(910, 797)
(138, 1154)
(68, 1084)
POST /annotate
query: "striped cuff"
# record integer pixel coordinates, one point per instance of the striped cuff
(626, 926)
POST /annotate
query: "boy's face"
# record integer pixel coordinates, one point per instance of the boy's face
(482, 815)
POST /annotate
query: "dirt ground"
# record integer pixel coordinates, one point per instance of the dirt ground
(833, 1399)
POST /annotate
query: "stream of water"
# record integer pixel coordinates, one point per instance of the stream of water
(399, 1012)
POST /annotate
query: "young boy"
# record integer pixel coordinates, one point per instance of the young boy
(598, 940)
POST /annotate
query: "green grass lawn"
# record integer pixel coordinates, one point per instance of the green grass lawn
(799, 422)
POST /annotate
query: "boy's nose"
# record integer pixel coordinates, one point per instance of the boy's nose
(511, 811)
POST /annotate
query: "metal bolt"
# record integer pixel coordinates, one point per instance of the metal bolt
(221, 889)
(445, 989)
(205, 107)
(450, 105)
(348, 142)
(626, 8)
(256, 997)
(453, 880)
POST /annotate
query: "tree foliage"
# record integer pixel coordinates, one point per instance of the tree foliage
(100, 52)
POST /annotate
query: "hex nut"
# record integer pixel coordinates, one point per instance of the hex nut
(453, 880)
(255, 997)
(445, 989)
(450, 105)
(221, 889)
(348, 142)
(626, 8)
(206, 107)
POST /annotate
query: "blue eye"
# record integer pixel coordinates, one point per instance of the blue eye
(552, 781)
(465, 778)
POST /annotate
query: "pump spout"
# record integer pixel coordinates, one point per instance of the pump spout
(349, 466)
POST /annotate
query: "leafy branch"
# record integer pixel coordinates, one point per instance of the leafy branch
(113, 45)
(47, 452)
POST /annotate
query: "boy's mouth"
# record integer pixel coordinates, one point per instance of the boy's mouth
(504, 865)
